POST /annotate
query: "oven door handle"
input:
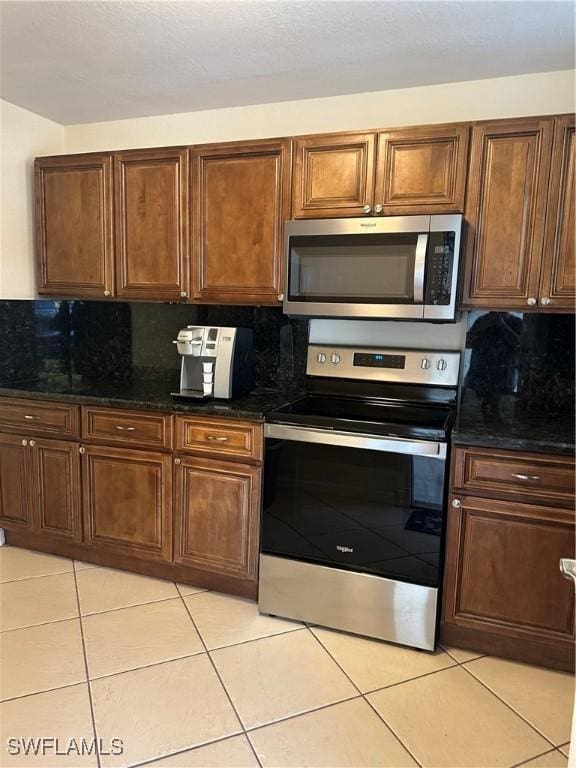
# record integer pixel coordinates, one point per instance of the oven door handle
(419, 268)
(356, 440)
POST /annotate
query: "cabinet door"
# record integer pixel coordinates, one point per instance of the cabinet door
(240, 200)
(558, 285)
(502, 570)
(505, 210)
(218, 516)
(57, 488)
(333, 175)
(151, 213)
(422, 169)
(15, 483)
(127, 501)
(74, 241)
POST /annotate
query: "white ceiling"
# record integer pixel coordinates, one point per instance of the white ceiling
(87, 61)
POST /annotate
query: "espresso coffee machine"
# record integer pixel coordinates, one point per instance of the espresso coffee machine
(216, 362)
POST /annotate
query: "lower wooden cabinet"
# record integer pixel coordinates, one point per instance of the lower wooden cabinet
(40, 486)
(503, 590)
(15, 486)
(56, 467)
(217, 516)
(127, 501)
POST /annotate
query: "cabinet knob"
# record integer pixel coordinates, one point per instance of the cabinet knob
(24, 442)
(457, 503)
(177, 461)
(378, 208)
(81, 449)
(106, 293)
(545, 301)
(531, 301)
(280, 297)
(183, 294)
(32, 443)
(367, 209)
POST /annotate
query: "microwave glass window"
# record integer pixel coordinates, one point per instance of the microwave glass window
(369, 268)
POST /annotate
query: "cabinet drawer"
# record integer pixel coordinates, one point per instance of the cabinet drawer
(217, 437)
(37, 417)
(542, 478)
(148, 430)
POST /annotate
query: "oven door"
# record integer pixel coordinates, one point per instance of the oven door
(354, 502)
(357, 268)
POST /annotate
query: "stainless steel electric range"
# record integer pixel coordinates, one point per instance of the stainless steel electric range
(355, 481)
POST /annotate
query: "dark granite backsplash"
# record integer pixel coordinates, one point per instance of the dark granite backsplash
(72, 343)
(518, 382)
(519, 362)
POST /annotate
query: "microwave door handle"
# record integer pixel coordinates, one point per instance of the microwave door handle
(419, 268)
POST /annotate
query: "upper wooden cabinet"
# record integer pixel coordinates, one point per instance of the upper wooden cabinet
(422, 170)
(409, 170)
(151, 216)
(333, 175)
(505, 212)
(74, 225)
(240, 201)
(558, 282)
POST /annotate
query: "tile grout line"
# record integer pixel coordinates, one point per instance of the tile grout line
(296, 715)
(220, 679)
(86, 615)
(86, 667)
(509, 706)
(187, 749)
(37, 576)
(363, 696)
(138, 668)
(535, 757)
(43, 690)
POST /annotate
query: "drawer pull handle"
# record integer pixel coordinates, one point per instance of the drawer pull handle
(217, 438)
(31, 418)
(519, 476)
(127, 429)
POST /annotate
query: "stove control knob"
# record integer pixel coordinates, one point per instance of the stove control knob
(335, 359)
(321, 357)
(425, 364)
(441, 364)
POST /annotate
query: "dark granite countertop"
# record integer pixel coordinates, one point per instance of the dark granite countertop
(151, 396)
(513, 428)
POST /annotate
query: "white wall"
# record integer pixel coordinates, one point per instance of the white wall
(23, 136)
(537, 94)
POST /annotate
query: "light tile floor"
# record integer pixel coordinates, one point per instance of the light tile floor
(190, 678)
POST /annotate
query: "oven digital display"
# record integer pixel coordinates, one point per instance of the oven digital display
(378, 360)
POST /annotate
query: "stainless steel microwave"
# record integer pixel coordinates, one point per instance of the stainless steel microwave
(395, 267)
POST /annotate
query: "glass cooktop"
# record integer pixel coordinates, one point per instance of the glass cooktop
(381, 417)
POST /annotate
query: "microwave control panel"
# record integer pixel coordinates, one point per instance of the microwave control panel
(440, 263)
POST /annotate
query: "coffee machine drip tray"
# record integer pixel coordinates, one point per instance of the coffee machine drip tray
(190, 394)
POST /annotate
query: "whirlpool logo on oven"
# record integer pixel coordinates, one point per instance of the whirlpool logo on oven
(342, 548)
